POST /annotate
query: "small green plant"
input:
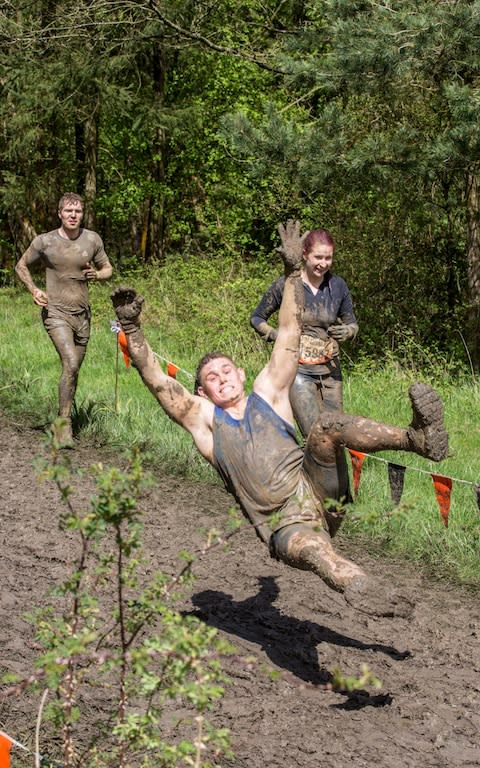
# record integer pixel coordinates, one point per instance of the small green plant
(107, 630)
(342, 682)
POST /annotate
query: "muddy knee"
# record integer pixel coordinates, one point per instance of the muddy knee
(309, 548)
(326, 436)
(286, 544)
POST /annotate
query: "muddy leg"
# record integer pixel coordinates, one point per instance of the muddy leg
(71, 357)
(309, 399)
(426, 434)
(306, 404)
(308, 547)
(332, 397)
(321, 460)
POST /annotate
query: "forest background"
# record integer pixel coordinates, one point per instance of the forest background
(193, 128)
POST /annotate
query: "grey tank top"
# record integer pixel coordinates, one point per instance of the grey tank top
(258, 459)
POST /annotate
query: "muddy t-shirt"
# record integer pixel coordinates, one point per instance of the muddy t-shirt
(260, 463)
(64, 260)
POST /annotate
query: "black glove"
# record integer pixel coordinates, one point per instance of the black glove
(127, 307)
(342, 332)
(266, 331)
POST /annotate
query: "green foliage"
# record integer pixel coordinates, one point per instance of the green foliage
(378, 144)
(195, 127)
(134, 123)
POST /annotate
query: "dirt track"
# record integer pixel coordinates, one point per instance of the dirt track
(426, 714)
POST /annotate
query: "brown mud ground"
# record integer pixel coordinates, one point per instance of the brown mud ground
(427, 712)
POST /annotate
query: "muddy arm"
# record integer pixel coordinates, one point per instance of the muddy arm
(23, 273)
(102, 273)
(192, 413)
(274, 382)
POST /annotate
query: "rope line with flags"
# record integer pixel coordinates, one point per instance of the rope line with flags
(442, 484)
(172, 368)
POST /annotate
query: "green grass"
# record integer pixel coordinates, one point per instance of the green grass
(189, 311)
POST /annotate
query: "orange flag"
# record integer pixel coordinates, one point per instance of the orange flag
(357, 462)
(443, 490)
(122, 340)
(5, 747)
(172, 370)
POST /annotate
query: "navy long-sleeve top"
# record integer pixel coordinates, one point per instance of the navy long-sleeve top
(331, 302)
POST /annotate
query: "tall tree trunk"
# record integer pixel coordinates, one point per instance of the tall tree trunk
(22, 230)
(473, 262)
(91, 151)
(156, 212)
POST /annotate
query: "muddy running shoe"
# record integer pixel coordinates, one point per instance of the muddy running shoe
(426, 433)
(369, 596)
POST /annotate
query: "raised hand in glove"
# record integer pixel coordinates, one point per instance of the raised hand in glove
(292, 246)
(127, 305)
(342, 331)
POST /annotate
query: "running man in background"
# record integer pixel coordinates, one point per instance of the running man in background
(72, 256)
(250, 439)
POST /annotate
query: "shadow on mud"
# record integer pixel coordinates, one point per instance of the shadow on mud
(289, 643)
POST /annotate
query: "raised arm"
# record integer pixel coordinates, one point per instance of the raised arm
(193, 413)
(274, 381)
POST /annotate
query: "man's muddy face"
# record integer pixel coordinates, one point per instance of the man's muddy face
(222, 382)
(71, 216)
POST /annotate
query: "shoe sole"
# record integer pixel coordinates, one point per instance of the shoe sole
(428, 418)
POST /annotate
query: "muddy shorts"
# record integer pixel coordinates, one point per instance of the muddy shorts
(302, 508)
(77, 322)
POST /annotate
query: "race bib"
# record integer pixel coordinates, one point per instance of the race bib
(314, 351)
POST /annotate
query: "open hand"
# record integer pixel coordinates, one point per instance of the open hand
(292, 245)
(127, 305)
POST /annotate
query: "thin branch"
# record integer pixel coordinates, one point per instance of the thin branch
(213, 46)
(37, 728)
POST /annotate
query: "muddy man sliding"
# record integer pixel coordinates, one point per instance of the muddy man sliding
(250, 440)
